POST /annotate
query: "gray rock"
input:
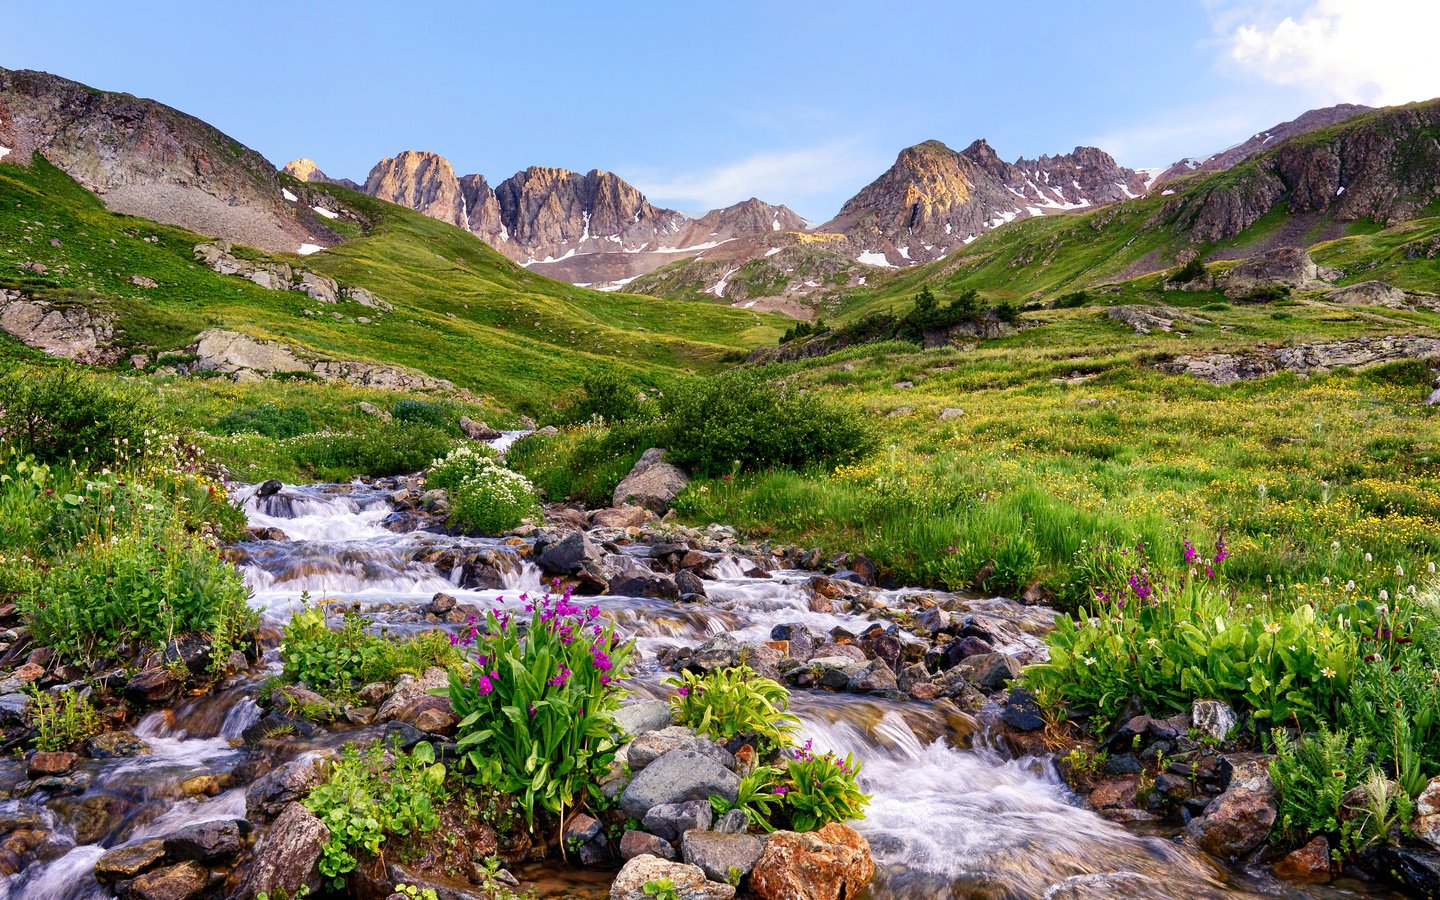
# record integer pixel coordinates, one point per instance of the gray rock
(205, 841)
(1285, 266)
(721, 856)
(1214, 718)
(652, 483)
(733, 822)
(875, 677)
(570, 555)
(635, 719)
(1426, 823)
(15, 708)
(690, 882)
(1369, 293)
(671, 820)
(652, 745)
(639, 843)
(989, 671)
(286, 857)
(678, 776)
(71, 332)
(477, 431)
(1146, 319)
(279, 788)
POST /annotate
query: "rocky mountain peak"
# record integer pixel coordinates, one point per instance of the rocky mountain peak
(421, 180)
(304, 169)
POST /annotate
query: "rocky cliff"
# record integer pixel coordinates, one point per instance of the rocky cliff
(146, 159)
(422, 181)
(934, 199)
(306, 170)
(1313, 120)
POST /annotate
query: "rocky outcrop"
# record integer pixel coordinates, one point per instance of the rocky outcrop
(1288, 267)
(146, 159)
(1426, 823)
(652, 483)
(306, 170)
(280, 276)
(249, 358)
(1369, 293)
(286, 857)
(1146, 319)
(1359, 353)
(422, 181)
(81, 333)
(1237, 822)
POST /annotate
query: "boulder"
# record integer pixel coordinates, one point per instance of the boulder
(276, 791)
(640, 843)
(671, 820)
(829, 864)
(1146, 319)
(989, 671)
(634, 719)
(218, 839)
(721, 856)
(877, 677)
(1369, 293)
(129, 860)
(1237, 822)
(73, 332)
(1416, 871)
(286, 857)
(676, 777)
(652, 483)
(1426, 823)
(1213, 718)
(690, 882)
(1284, 266)
(477, 431)
(42, 764)
(115, 745)
(1311, 863)
(620, 517)
(570, 555)
(178, 882)
(652, 745)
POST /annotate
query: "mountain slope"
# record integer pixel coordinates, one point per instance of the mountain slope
(456, 309)
(146, 159)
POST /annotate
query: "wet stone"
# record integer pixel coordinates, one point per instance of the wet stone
(179, 882)
(638, 843)
(56, 763)
(206, 840)
(129, 860)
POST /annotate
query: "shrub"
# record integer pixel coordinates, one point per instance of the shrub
(605, 396)
(465, 461)
(336, 661)
(757, 796)
(820, 789)
(271, 421)
(586, 462)
(492, 499)
(1191, 271)
(62, 720)
(1394, 697)
(735, 701)
(383, 450)
(64, 415)
(537, 716)
(1072, 300)
(371, 795)
(1269, 293)
(741, 419)
(150, 583)
(440, 416)
(1314, 774)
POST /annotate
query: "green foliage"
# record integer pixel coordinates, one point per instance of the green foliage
(606, 396)
(1269, 293)
(440, 416)
(740, 419)
(1191, 271)
(734, 701)
(62, 720)
(537, 716)
(371, 795)
(757, 797)
(271, 421)
(1314, 774)
(583, 463)
(1394, 698)
(661, 889)
(820, 789)
(1072, 300)
(465, 461)
(493, 499)
(62, 415)
(337, 661)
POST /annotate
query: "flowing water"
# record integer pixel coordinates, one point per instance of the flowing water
(952, 815)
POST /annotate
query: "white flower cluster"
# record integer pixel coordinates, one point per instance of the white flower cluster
(500, 483)
(460, 464)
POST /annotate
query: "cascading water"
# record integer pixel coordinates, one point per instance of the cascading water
(951, 815)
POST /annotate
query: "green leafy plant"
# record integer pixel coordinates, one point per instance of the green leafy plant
(373, 794)
(537, 716)
(1312, 776)
(734, 701)
(822, 788)
(62, 720)
(60, 415)
(485, 496)
(661, 889)
(757, 796)
(336, 661)
(463, 462)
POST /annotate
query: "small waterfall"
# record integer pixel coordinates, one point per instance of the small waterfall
(505, 440)
(70, 877)
(527, 579)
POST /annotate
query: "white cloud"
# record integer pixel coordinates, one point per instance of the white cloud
(786, 176)
(1370, 51)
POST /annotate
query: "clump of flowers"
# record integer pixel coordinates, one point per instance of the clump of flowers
(485, 496)
(822, 788)
(537, 711)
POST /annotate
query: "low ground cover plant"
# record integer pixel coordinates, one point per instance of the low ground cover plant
(337, 661)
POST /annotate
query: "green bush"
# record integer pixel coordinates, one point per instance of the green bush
(1395, 699)
(59, 415)
(586, 462)
(537, 716)
(62, 720)
(740, 419)
(271, 421)
(493, 499)
(820, 789)
(1312, 776)
(440, 416)
(465, 461)
(1072, 300)
(372, 795)
(605, 396)
(337, 661)
(735, 701)
(1191, 271)
(392, 450)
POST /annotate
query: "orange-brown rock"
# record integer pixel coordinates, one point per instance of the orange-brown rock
(828, 864)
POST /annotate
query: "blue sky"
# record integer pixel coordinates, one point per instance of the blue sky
(702, 105)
